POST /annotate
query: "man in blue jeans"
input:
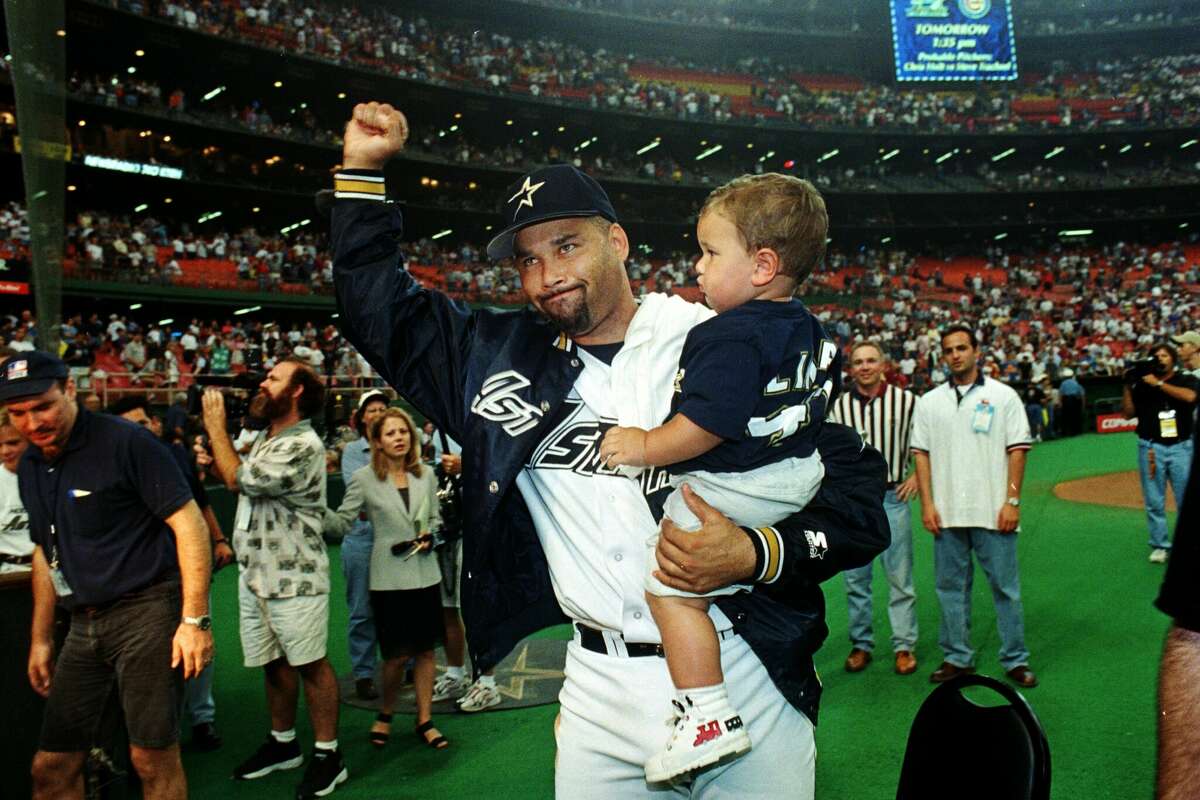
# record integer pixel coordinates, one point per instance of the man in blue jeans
(970, 437)
(356, 553)
(1164, 402)
(882, 414)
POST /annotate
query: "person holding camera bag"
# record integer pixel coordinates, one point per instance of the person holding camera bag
(400, 497)
(1164, 401)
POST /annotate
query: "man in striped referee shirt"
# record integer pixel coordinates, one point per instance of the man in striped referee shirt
(883, 415)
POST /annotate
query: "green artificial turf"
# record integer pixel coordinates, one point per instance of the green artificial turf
(1094, 636)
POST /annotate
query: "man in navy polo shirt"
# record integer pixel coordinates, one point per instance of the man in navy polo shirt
(121, 543)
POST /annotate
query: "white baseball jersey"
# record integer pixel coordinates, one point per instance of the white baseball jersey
(14, 522)
(593, 523)
(968, 435)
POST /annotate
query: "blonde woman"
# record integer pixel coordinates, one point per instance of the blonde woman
(399, 496)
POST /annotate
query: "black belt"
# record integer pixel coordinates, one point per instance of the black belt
(594, 640)
(22, 561)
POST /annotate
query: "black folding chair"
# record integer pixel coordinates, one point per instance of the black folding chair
(959, 749)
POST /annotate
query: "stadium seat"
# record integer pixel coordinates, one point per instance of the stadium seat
(958, 748)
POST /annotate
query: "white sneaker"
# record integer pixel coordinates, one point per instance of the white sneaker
(697, 741)
(449, 687)
(1158, 555)
(479, 697)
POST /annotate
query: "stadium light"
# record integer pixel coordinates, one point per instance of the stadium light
(341, 95)
(716, 148)
(453, 128)
(139, 53)
(647, 148)
(278, 84)
(288, 229)
(1187, 144)
(209, 216)
(829, 155)
(1077, 232)
(1125, 149)
(441, 234)
(1183, 225)
(999, 236)
(131, 70)
(885, 240)
(60, 32)
(890, 154)
(166, 321)
(536, 133)
(247, 310)
(944, 157)
(212, 94)
(583, 145)
(140, 208)
(1053, 153)
(135, 306)
(1004, 155)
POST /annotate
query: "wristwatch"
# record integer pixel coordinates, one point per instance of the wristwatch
(202, 622)
(1015, 502)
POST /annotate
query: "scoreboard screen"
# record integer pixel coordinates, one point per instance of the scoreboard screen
(954, 40)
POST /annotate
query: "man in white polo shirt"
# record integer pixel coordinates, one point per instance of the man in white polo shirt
(970, 438)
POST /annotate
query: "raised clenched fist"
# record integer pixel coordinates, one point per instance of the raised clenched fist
(374, 134)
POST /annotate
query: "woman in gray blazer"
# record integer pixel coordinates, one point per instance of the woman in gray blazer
(399, 496)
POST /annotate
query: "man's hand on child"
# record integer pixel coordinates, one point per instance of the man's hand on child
(623, 446)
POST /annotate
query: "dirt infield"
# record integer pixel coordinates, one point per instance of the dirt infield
(1121, 489)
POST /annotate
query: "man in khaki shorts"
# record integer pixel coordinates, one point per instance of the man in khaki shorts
(283, 586)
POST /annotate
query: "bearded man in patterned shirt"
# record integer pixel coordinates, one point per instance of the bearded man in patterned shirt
(283, 585)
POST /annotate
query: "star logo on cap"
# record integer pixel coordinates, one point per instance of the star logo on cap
(527, 190)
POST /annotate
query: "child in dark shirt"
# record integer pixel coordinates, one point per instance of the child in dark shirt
(751, 392)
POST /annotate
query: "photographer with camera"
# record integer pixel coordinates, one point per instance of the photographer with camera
(283, 586)
(1164, 401)
(399, 495)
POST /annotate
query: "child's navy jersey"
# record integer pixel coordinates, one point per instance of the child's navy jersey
(759, 376)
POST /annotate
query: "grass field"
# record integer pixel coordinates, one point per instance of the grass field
(1090, 625)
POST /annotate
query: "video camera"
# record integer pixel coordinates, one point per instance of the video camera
(238, 390)
(1140, 369)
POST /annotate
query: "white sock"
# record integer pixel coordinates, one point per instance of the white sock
(704, 697)
(284, 737)
(488, 680)
(327, 745)
(455, 672)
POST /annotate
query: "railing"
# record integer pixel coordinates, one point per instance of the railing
(111, 386)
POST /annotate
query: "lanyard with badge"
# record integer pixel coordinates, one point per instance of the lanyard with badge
(1168, 428)
(982, 416)
(61, 587)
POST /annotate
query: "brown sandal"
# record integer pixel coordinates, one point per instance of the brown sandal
(439, 742)
(380, 738)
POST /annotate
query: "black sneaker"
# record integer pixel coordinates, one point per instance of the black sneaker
(205, 738)
(273, 755)
(324, 772)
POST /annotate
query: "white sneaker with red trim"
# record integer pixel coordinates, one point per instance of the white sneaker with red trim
(698, 739)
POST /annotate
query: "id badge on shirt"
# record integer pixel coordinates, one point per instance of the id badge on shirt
(981, 420)
(1168, 428)
(61, 587)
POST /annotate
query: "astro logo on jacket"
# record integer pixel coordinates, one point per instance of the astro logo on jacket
(497, 401)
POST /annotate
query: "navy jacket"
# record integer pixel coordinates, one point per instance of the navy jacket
(438, 352)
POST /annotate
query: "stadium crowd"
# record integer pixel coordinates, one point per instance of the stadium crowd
(522, 152)
(1144, 91)
(1031, 17)
(1084, 308)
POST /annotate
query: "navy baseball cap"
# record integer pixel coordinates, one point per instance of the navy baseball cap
(30, 373)
(558, 191)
